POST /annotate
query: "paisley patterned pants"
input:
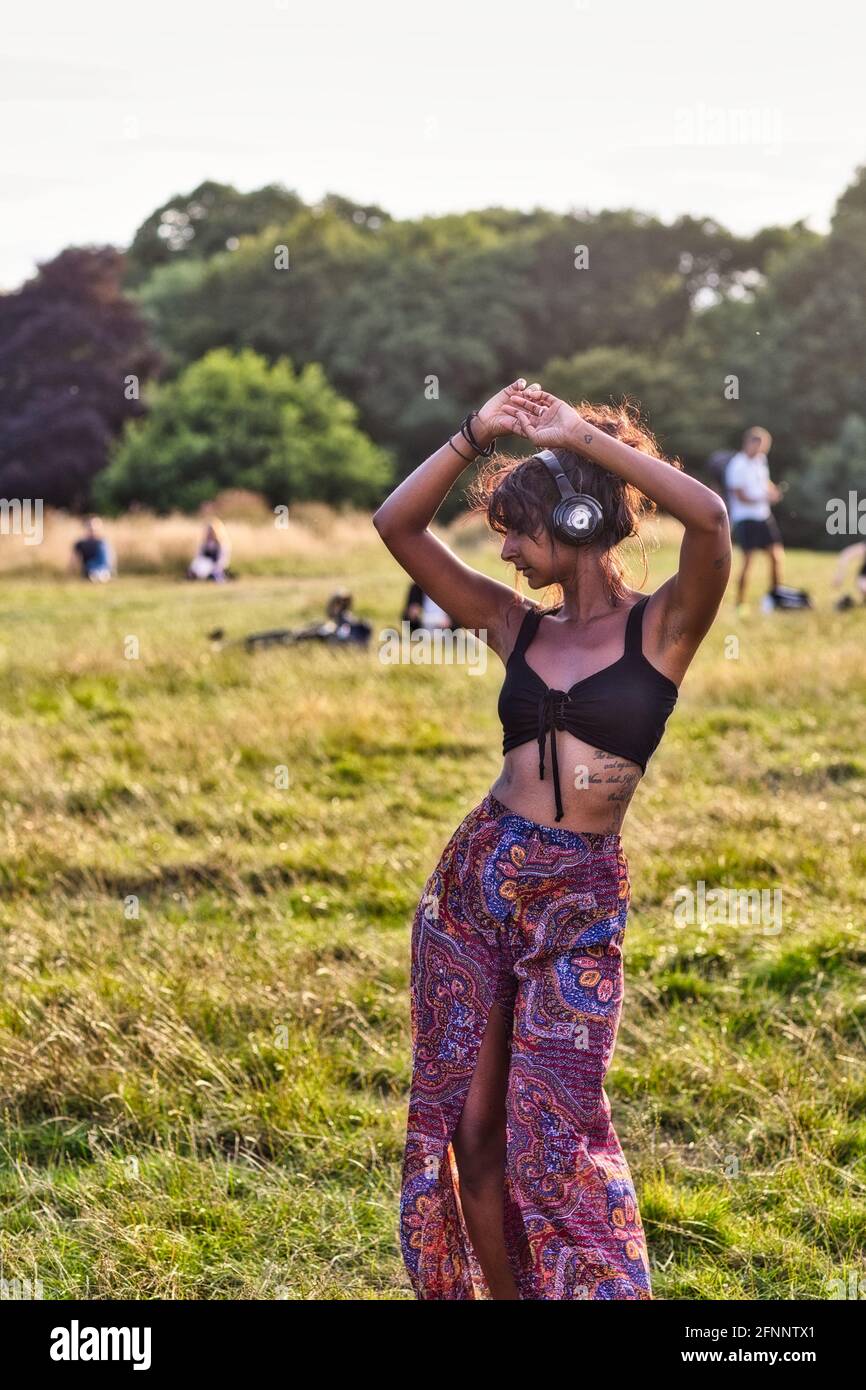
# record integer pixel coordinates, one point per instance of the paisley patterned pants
(530, 918)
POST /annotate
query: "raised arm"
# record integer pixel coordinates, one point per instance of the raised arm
(473, 600)
(686, 604)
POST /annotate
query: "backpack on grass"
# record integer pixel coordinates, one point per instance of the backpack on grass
(783, 596)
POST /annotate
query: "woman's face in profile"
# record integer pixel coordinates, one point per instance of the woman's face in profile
(533, 556)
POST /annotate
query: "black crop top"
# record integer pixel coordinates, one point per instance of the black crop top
(621, 709)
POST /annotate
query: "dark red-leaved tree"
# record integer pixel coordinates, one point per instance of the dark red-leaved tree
(72, 347)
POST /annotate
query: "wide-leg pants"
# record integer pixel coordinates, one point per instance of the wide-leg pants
(529, 918)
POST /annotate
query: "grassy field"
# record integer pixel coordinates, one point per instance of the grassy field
(204, 1025)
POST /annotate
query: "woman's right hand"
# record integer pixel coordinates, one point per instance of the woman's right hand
(495, 417)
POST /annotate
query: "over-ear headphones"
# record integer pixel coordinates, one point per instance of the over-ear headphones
(577, 518)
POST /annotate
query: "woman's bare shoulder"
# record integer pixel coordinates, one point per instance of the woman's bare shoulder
(510, 624)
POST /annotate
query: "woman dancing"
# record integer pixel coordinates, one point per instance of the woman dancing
(514, 1184)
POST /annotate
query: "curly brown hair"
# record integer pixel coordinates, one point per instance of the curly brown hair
(520, 494)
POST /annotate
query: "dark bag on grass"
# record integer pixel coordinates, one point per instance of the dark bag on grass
(783, 596)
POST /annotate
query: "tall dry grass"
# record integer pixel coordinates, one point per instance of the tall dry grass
(148, 544)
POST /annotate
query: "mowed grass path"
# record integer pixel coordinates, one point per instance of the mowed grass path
(208, 1099)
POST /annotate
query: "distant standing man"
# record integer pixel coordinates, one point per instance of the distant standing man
(750, 495)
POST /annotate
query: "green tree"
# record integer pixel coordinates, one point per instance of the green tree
(416, 321)
(658, 384)
(833, 470)
(73, 348)
(196, 225)
(236, 421)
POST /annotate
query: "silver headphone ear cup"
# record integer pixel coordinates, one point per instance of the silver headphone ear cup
(576, 518)
(590, 514)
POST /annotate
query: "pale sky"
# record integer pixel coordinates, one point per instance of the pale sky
(749, 111)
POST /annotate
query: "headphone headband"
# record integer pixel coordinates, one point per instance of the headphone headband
(551, 462)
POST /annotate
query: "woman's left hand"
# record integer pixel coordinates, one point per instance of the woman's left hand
(544, 419)
(495, 416)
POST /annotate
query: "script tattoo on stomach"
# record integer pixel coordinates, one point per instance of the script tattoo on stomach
(618, 776)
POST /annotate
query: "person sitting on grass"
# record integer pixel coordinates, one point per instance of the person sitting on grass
(340, 625)
(92, 553)
(422, 613)
(856, 553)
(211, 561)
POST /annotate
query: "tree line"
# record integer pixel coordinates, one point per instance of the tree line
(320, 352)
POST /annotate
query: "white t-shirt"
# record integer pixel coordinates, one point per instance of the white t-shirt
(432, 615)
(752, 476)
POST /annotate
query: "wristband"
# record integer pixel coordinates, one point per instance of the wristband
(466, 431)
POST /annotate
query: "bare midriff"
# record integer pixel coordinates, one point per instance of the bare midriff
(596, 786)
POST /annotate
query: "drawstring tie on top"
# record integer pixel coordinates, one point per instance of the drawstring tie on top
(551, 708)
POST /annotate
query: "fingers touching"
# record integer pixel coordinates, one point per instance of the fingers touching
(521, 423)
(524, 405)
(530, 406)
